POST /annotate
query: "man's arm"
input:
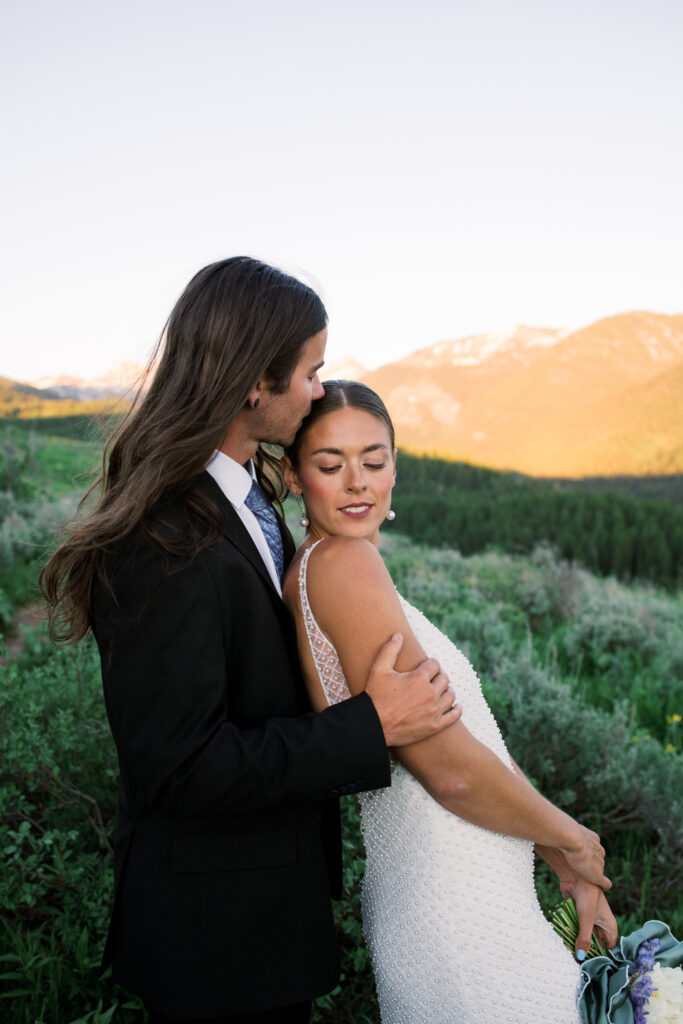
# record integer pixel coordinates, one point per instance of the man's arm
(170, 697)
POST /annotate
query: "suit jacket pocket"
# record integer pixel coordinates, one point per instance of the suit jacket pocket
(238, 851)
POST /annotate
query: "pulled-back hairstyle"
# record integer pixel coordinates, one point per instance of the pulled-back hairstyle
(340, 394)
(238, 321)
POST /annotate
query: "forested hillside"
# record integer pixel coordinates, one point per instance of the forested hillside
(628, 527)
(611, 532)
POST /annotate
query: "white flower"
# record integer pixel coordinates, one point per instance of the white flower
(666, 1002)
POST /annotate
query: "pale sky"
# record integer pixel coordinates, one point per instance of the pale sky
(434, 168)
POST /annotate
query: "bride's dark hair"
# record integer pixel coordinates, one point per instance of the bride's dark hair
(340, 394)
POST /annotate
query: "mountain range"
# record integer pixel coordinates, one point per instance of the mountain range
(600, 400)
(113, 384)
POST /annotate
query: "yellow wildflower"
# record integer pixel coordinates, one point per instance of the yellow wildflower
(673, 719)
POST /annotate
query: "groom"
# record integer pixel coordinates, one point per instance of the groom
(228, 840)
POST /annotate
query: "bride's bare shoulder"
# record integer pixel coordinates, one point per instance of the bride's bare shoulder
(342, 556)
(344, 568)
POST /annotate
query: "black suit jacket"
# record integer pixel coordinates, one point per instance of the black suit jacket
(222, 861)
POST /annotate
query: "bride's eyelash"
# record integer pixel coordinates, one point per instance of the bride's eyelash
(368, 465)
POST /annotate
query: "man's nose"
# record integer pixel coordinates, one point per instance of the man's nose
(318, 389)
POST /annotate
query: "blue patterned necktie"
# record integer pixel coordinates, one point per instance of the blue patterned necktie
(257, 503)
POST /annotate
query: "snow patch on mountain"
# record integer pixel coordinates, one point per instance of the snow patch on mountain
(475, 349)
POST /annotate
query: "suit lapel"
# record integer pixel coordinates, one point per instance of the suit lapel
(237, 534)
(234, 529)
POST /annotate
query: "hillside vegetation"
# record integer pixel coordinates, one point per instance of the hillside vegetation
(21, 401)
(585, 675)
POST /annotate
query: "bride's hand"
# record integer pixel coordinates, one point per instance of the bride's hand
(585, 856)
(594, 914)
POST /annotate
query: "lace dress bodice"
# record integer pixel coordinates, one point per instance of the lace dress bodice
(326, 659)
(450, 913)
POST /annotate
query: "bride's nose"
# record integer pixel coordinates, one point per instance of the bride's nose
(355, 480)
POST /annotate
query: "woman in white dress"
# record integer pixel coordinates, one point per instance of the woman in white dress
(450, 912)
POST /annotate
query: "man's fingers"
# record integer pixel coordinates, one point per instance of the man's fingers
(452, 716)
(438, 679)
(388, 653)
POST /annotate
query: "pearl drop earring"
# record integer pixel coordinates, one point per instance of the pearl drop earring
(391, 514)
(304, 518)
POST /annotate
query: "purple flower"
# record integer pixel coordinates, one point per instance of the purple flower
(642, 985)
(641, 990)
(647, 951)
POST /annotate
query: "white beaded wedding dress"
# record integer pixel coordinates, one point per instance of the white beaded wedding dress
(450, 913)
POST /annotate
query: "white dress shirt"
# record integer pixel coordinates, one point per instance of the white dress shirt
(235, 482)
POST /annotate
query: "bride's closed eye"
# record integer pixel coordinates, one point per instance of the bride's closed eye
(366, 465)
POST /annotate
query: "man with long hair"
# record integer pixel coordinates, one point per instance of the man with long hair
(228, 833)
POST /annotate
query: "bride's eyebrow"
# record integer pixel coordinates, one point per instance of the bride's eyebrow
(338, 451)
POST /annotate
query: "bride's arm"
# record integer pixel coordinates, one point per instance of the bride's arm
(356, 605)
(592, 908)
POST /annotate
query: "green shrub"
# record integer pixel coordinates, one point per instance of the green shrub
(57, 804)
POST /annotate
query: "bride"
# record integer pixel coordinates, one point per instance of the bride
(449, 907)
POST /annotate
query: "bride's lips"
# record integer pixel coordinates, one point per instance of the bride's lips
(356, 511)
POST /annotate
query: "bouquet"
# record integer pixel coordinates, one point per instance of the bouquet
(640, 981)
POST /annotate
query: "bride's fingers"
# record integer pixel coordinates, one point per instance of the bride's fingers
(586, 900)
(589, 867)
(606, 925)
(594, 915)
(608, 935)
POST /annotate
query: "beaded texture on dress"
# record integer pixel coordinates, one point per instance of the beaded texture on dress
(450, 913)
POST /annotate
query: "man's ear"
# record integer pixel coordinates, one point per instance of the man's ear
(255, 395)
(290, 476)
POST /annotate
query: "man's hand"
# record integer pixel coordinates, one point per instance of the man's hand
(412, 706)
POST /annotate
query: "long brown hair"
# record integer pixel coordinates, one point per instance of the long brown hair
(238, 321)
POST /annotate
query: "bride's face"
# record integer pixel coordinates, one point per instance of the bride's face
(346, 473)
